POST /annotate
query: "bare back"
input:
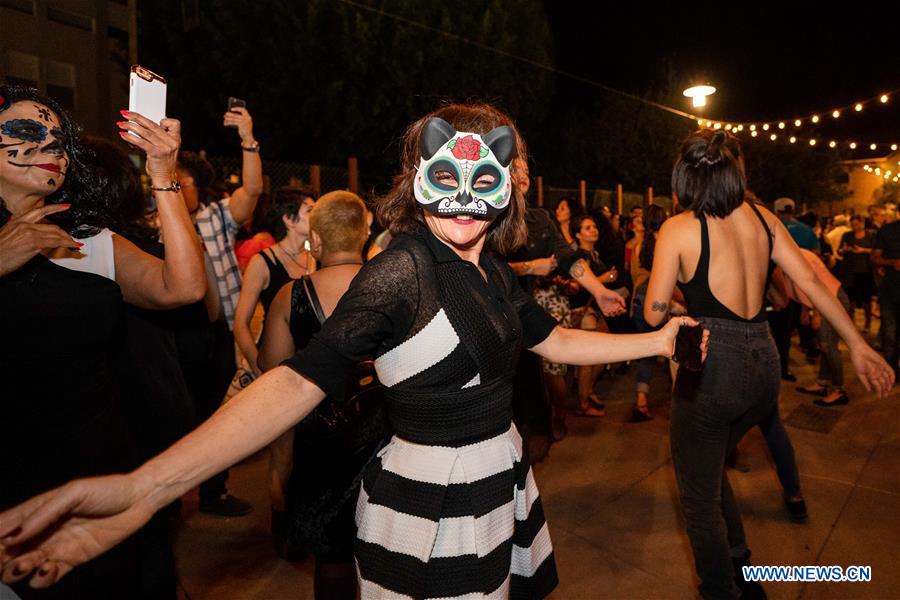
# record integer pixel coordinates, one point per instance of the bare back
(734, 272)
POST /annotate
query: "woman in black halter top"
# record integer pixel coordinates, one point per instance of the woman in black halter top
(720, 252)
(287, 218)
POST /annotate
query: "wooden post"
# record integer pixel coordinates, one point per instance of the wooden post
(353, 175)
(649, 200)
(619, 198)
(539, 182)
(582, 192)
(315, 178)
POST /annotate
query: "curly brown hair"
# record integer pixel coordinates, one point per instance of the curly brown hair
(398, 209)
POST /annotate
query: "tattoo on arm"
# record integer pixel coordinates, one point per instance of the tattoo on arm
(659, 306)
(577, 269)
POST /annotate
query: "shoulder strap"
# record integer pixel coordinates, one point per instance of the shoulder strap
(703, 263)
(765, 226)
(313, 298)
(270, 260)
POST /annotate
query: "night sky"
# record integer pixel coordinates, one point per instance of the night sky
(767, 63)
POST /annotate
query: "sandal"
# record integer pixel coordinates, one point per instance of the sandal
(589, 411)
(640, 414)
(596, 402)
(821, 392)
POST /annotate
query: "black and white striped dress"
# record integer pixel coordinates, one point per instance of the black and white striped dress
(449, 509)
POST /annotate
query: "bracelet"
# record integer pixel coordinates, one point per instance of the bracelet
(175, 186)
(254, 147)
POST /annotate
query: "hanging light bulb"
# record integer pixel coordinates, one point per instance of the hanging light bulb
(815, 118)
(812, 142)
(717, 126)
(853, 145)
(781, 125)
(727, 126)
(872, 146)
(698, 94)
(773, 137)
(797, 123)
(836, 114)
(894, 147)
(792, 139)
(753, 128)
(832, 144)
(858, 107)
(884, 98)
(765, 126)
(740, 127)
(754, 133)
(877, 171)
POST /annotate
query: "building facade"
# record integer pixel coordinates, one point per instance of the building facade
(77, 51)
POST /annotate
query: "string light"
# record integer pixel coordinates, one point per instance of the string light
(797, 123)
(792, 140)
(815, 118)
(884, 98)
(754, 133)
(773, 137)
(812, 142)
(858, 107)
(832, 144)
(765, 126)
(717, 126)
(872, 146)
(836, 114)
(781, 125)
(853, 145)
(894, 147)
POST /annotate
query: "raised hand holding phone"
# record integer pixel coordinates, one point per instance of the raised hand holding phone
(147, 94)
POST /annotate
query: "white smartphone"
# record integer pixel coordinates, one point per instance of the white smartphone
(147, 94)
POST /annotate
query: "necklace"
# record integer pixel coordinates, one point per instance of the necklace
(294, 260)
(349, 262)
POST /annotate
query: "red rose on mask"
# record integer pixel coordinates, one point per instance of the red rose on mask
(467, 148)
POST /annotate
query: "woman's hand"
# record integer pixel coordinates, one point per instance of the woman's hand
(22, 238)
(160, 142)
(873, 371)
(670, 331)
(240, 118)
(49, 535)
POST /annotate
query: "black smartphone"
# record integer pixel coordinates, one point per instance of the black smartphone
(687, 347)
(235, 103)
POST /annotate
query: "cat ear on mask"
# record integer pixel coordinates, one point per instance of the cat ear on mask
(435, 134)
(502, 142)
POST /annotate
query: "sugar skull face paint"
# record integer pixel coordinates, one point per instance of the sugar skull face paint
(464, 173)
(33, 154)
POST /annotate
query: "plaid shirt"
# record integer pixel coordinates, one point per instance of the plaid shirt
(217, 230)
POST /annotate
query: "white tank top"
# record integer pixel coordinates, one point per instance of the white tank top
(96, 256)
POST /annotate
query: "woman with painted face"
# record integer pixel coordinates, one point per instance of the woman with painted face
(449, 507)
(720, 251)
(62, 287)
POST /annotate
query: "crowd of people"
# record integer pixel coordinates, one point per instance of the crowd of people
(388, 379)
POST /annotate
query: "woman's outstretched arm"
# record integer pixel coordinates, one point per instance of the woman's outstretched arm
(47, 536)
(580, 347)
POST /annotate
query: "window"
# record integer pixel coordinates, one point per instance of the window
(61, 83)
(24, 69)
(70, 18)
(25, 6)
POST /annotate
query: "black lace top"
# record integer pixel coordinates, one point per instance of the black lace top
(445, 340)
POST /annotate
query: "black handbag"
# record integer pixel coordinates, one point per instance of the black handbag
(358, 418)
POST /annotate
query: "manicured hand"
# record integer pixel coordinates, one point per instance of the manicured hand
(22, 238)
(160, 143)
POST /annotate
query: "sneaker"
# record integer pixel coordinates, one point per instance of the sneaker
(225, 505)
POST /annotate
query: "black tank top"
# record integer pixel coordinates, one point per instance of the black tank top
(278, 276)
(700, 300)
(304, 322)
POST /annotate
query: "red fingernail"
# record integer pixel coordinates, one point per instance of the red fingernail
(123, 133)
(121, 123)
(124, 113)
(66, 205)
(79, 244)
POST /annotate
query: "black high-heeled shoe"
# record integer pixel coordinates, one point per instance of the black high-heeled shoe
(640, 414)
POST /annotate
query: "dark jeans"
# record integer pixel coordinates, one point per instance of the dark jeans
(831, 364)
(889, 299)
(711, 411)
(782, 450)
(221, 371)
(780, 323)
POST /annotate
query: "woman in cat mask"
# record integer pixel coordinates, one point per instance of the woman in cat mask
(449, 507)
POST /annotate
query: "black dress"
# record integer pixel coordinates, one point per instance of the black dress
(60, 416)
(325, 480)
(450, 506)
